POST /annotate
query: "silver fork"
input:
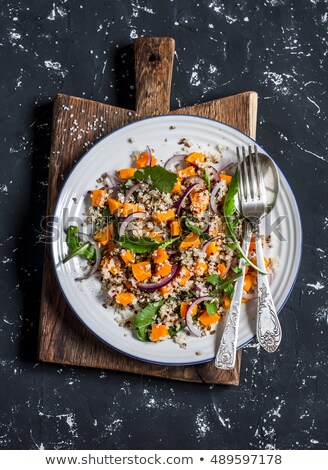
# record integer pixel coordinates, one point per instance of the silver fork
(252, 199)
(254, 208)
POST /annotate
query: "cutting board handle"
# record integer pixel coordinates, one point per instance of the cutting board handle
(153, 67)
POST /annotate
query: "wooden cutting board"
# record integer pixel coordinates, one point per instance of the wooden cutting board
(77, 125)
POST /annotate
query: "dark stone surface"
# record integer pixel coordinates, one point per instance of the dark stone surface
(278, 48)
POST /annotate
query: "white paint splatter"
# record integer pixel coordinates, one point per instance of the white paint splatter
(4, 189)
(315, 104)
(202, 425)
(56, 9)
(279, 81)
(133, 34)
(230, 19)
(14, 36)
(321, 315)
(316, 286)
(194, 77)
(114, 426)
(55, 67)
(136, 7)
(310, 152)
(224, 421)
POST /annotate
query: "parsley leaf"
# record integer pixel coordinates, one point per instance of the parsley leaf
(161, 179)
(211, 308)
(207, 178)
(138, 245)
(146, 317)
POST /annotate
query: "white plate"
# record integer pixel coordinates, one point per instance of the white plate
(114, 152)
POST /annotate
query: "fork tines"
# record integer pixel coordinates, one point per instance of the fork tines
(250, 170)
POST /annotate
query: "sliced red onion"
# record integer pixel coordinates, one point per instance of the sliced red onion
(112, 182)
(228, 266)
(171, 251)
(151, 286)
(115, 181)
(190, 324)
(178, 205)
(172, 162)
(132, 190)
(149, 156)
(98, 256)
(208, 242)
(214, 173)
(213, 203)
(194, 180)
(128, 219)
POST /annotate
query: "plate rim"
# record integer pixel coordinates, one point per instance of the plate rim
(189, 116)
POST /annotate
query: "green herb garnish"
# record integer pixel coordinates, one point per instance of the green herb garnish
(169, 242)
(144, 244)
(192, 227)
(76, 246)
(229, 210)
(161, 179)
(207, 178)
(145, 318)
(225, 285)
(138, 244)
(211, 308)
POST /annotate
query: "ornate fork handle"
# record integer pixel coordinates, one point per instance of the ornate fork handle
(226, 355)
(268, 327)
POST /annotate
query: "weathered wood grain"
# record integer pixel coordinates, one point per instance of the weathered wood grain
(153, 68)
(78, 124)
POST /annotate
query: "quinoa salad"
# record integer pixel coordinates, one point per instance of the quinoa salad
(166, 243)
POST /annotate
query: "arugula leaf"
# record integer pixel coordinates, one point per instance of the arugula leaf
(225, 285)
(229, 210)
(172, 331)
(72, 238)
(205, 236)
(76, 247)
(237, 270)
(211, 308)
(192, 227)
(207, 178)
(161, 179)
(106, 213)
(79, 251)
(144, 244)
(216, 280)
(138, 245)
(169, 242)
(145, 318)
